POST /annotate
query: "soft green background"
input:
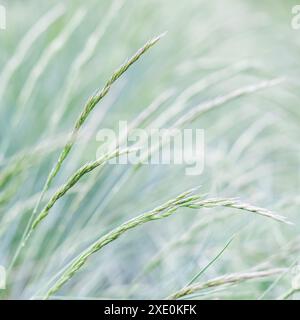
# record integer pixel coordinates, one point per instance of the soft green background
(252, 146)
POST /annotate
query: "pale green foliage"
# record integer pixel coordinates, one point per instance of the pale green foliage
(228, 69)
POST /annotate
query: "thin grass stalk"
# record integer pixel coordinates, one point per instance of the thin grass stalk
(142, 117)
(186, 199)
(165, 210)
(90, 105)
(180, 104)
(229, 279)
(173, 244)
(85, 55)
(27, 42)
(288, 294)
(210, 262)
(205, 107)
(79, 174)
(237, 204)
(55, 46)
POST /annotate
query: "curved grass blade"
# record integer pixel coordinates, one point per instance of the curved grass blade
(26, 44)
(228, 279)
(90, 105)
(186, 199)
(79, 174)
(211, 262)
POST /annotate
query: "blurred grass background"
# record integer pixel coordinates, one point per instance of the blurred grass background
(252, 144)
